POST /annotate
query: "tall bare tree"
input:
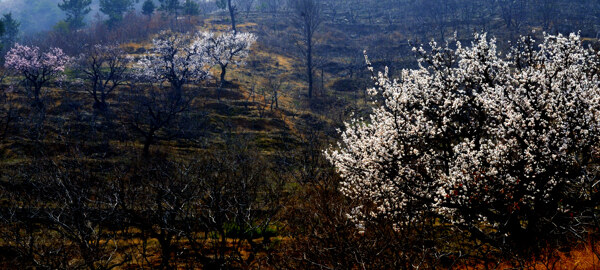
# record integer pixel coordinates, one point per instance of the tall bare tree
(232, 8)
(307, 20)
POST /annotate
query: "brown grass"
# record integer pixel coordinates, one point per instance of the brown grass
(581, 257)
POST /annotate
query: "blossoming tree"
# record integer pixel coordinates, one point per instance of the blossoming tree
(36, 67)
(176, 59)
(503, 146)
(226, 49)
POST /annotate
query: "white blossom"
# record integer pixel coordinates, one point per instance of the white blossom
(176, 59)
(477, 137)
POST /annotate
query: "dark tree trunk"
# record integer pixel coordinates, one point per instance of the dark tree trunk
(309, 66)
(165, 245)
(99, 103)
(37, 101)
(221, 82)
(232, 15)
(149, 141)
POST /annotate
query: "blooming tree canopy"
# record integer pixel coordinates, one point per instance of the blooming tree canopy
(174, 58)
(226, 49)
(37, 68)
(504, 146)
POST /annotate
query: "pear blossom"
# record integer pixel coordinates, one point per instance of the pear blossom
(501, 145)
(226, 49)
(174, 58)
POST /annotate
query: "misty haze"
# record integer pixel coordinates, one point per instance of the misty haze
(299, 134)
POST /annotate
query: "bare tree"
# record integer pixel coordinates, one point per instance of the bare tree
(104, 67)
(82, 209)
(307, 20)
(153, 112)
(221, 205)
(547, 11)
(247, 6)
(158, 204)
(439, 13)
(513, 13)
(239, 199)
(231, 6)
(274, 85)
(272, 6)
(57, 216)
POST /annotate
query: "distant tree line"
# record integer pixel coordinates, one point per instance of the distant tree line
(448, 16)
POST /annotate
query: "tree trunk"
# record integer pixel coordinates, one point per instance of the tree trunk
(232, 15)
(322, 82)
(222, 82)
(177, 86)
(98, 102)
(149, 140)
(37, 102)
(103, 99)
(309, 66)
(165, 246)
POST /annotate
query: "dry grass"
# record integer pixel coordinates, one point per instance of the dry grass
(581, 257)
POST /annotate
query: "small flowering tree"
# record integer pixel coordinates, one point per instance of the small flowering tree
(174, 58)
(503, 146)
(38, 68)
(226, 49)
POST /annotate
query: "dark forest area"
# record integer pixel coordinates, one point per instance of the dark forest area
(299, 134)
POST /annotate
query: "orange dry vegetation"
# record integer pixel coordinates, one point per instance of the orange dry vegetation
(581, 257)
